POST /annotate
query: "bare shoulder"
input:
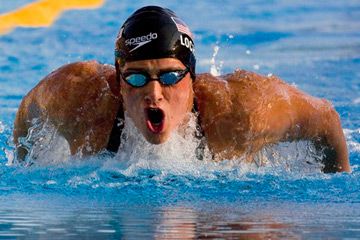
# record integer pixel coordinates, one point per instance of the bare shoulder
(227, 107)
(243, 111)
(80, 77)
(78, 99)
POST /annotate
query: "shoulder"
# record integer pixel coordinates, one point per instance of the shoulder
(243, 106)
(73, 83)
(228, 107)
(78, 99)
(251, 90)
(72, 76)
(240, 89)
(243, 83)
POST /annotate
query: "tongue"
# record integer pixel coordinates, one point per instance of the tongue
(155, 128)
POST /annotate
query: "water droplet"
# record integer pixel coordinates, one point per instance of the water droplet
(214, 69)
(10, 157)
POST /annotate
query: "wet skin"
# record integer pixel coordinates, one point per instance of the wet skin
(240, 113)
(174, 101)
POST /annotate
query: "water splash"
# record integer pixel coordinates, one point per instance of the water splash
(353, 144)
(297, 156)
(44, 145)
(215, 69)
(177, 155)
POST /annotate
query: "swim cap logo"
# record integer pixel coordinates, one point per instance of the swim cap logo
(185, 41)
(140, 41)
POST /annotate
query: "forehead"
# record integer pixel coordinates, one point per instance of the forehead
(155, 64)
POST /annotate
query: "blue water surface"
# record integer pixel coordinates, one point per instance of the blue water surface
(314, 45)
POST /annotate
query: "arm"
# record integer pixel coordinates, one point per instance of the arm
(308, 118)
(295, 115)
(241, 113)
(337, 158)
(323, 126)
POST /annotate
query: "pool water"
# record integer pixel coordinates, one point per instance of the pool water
(314, 45)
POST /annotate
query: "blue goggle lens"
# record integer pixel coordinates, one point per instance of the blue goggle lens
(166, 78)
(170, 78)
(136, 79)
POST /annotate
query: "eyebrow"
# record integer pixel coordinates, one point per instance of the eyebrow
(140, 69)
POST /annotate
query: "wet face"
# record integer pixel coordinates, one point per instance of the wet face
(157, 110)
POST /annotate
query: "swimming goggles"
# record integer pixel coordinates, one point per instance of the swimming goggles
(140, 79)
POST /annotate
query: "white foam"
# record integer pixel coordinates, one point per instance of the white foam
(352, 144)
(44, 144)
(298, 156)
(177, 155)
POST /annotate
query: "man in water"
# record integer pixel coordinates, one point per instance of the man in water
(154, 84)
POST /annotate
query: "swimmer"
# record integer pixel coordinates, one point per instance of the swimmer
(154, 83)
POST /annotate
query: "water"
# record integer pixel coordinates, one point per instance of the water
(314, 45)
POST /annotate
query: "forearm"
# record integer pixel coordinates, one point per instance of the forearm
(332, 139)
(336, 153)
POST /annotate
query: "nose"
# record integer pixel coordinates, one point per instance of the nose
(153, 94)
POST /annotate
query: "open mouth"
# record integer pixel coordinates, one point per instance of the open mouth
(155, 119)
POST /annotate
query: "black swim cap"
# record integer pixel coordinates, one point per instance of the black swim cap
(154, 32)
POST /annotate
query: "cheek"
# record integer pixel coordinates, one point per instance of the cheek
(181, 97)
(130, 98)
